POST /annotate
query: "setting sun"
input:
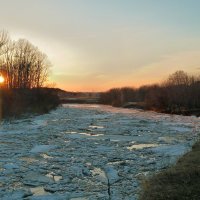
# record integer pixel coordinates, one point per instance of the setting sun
(1, 79)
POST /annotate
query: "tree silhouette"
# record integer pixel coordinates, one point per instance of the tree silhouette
(22, 63)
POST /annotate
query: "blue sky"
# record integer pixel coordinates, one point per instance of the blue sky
(98, 44)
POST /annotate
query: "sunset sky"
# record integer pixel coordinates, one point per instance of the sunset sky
(94, 45)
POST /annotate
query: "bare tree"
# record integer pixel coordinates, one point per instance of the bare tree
(179, 78)
(24, 65)
(3, 38)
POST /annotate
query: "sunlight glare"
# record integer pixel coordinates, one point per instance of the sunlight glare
(1, 79)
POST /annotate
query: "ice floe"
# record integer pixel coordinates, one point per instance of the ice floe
(88, 152)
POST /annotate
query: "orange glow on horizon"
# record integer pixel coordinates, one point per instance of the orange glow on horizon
(95, 87)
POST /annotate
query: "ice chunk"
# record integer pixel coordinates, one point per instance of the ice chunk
(11, 166)
(51, 197)
(172, 150)
(100, 175)
(36, 179)
(42, 148)
(111, 174)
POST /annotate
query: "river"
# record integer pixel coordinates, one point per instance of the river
(88, 152)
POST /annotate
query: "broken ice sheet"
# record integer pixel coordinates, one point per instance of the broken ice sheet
(78, 156)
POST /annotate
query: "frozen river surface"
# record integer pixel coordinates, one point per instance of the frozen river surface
(88, 152)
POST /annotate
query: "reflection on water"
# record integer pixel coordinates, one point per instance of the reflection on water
(82, 105)
(75, 134)
(96, 127)
(141, 146)
(90, 134)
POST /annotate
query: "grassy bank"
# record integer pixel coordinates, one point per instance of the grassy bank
(181, 181)
(17, 102)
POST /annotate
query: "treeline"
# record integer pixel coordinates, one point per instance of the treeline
(24, 71)
(180, 94)
(22, 64)
(17, 102)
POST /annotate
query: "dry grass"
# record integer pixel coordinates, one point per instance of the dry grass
(181, 181)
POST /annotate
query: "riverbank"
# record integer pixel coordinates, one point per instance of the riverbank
(178, 94)
(176, 111)
(17, 102)
(180, 181)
